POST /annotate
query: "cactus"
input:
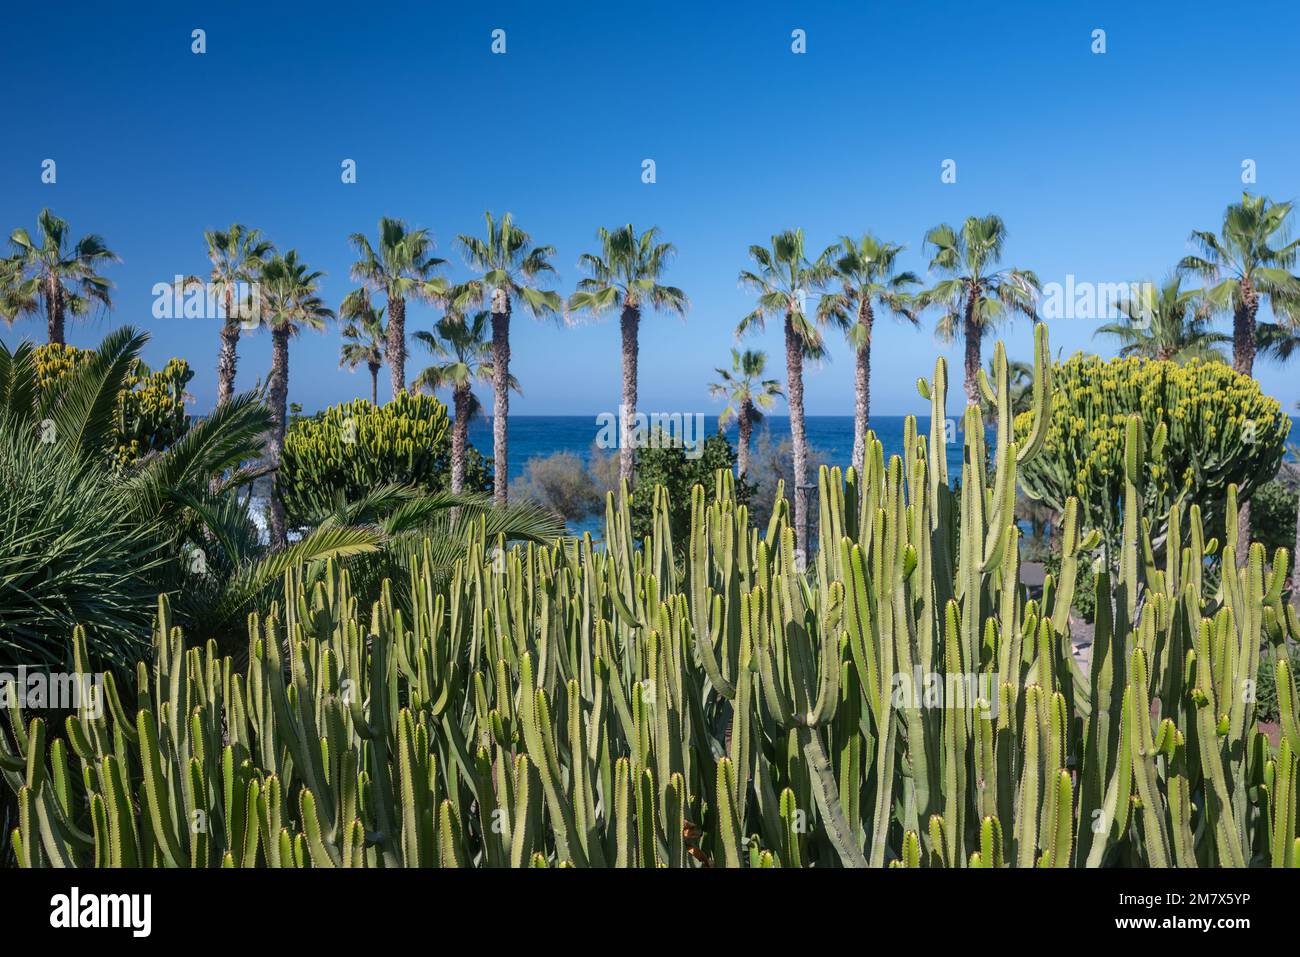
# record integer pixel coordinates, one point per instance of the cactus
(899, 701)
(354, 447)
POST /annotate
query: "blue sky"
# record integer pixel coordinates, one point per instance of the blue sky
(1099, 164)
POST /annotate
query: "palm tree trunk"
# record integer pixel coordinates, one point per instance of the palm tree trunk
(631, 321)
(745, 427)
(1243, 361)
(798, 437)
(397, 344)
(500, 394)
(279, 395)
(1243, 330)
(374, 383)
(459, 434)
(862, 386)
(227, 359)
(973, 333)
(54, 311)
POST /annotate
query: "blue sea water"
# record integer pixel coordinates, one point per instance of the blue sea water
(537, 436)
(829, 436)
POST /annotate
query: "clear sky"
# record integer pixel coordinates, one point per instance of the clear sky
(1100, 164)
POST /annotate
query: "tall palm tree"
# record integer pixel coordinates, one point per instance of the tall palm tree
(784, 277)
(509, 264)
(467, 358)
(865, 269)
(1245, 267)
(1173, 325)
(976, 295)
(626, 272)
(747, 394)
(237, 255)
(365, 339)
(290, 303)
(400, 268)
(55, 276)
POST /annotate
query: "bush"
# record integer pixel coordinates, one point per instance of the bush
(1273, 516)
(670, 466)
(1206, 426)
(560, 483)
(352, 448)
(151, 406)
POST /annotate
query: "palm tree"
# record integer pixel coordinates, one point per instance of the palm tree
(866, 273)
(56, 277)
(976, 296)
(783, 279)
(747, 393)
(626, 272)
(237, 256)
(509, 264)
(1245, 267)
(400, 269)
(1173, 325)
(365, 337)
(467, 358)
(289, 304)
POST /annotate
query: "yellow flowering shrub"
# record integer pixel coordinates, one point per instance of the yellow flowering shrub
(1221, 429)
(151, 409)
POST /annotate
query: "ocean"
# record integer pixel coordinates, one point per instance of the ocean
(829, 436)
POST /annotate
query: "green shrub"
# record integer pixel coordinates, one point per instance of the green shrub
(1273, 516)
(560, 483)
(667, 464)
(1207, 427)
(352, 448)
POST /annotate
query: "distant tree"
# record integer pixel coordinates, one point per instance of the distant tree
(237, 256)
(1246, 266)
(365, 339)
(53, 275)
(1172, 324)
(465, 351)
(976, 296)
(784, 278)
(866, 271)
(290, 303)
(747, 393)
(399, 268)
(509, 266)
(626, 273)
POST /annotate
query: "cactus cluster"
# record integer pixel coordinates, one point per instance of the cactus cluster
(354, 447)
(568, 705)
